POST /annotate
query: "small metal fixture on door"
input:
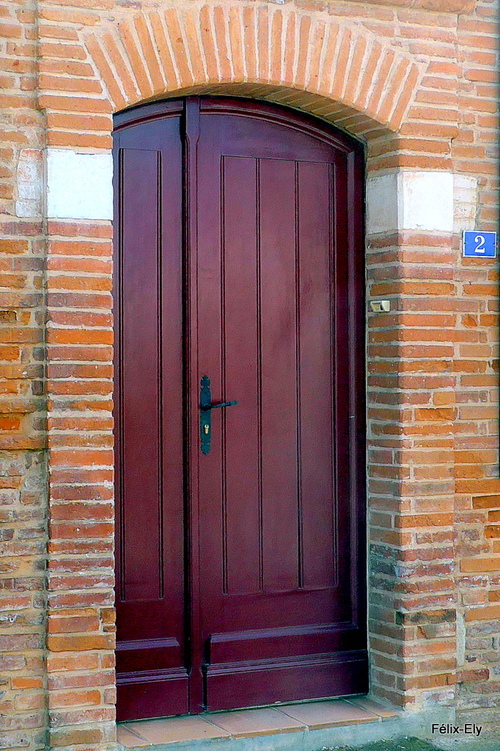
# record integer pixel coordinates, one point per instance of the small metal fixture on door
(206, 408)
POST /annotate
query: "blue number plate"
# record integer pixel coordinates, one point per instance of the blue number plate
(480, 244)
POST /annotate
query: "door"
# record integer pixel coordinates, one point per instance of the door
(240, 542)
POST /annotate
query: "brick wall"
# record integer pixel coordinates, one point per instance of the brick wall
(476, 442)
(23, 483)
(80, 583)
(418, 85)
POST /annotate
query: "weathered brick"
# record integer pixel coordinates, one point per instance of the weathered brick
(80, 643)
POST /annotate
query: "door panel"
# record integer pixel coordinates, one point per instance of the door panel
(315, 369)
(268, 500)
(241, 543)
(278, 355)
(141, 575)
(151, 661)
(241, 570)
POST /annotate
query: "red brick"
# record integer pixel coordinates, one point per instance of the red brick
(79, 643)
(58, 699)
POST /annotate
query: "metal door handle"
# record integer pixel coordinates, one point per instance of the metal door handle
(206, 408)
(222, 404)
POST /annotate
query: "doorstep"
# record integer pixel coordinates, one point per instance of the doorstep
(291, 726)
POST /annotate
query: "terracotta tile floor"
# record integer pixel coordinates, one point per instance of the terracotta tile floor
(252, 722)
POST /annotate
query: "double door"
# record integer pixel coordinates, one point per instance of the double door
(238, 278)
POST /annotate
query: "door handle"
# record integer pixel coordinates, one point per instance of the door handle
(222, 404)
(206, 408)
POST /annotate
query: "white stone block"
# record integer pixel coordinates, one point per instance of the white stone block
(425, 200)
(79, 186)
(410, 200)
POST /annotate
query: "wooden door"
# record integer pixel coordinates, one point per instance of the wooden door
(238, 258)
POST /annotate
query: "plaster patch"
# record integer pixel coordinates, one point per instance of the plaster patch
(29, 183)
(466, 200)
(382, 203)
(79, 186)
(461, 635)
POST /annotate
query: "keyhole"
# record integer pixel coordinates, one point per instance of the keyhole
(206, 429)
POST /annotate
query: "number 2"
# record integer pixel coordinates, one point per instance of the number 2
(480, 240)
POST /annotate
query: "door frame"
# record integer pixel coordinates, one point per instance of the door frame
(355, 305)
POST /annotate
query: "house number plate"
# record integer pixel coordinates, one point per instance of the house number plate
(480, 244)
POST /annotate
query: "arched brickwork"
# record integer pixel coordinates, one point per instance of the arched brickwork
(323, 65)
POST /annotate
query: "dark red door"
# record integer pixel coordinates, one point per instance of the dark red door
(239, 258)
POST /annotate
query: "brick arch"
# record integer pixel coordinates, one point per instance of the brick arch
(329, 67)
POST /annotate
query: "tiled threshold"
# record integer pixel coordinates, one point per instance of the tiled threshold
(296, 720)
